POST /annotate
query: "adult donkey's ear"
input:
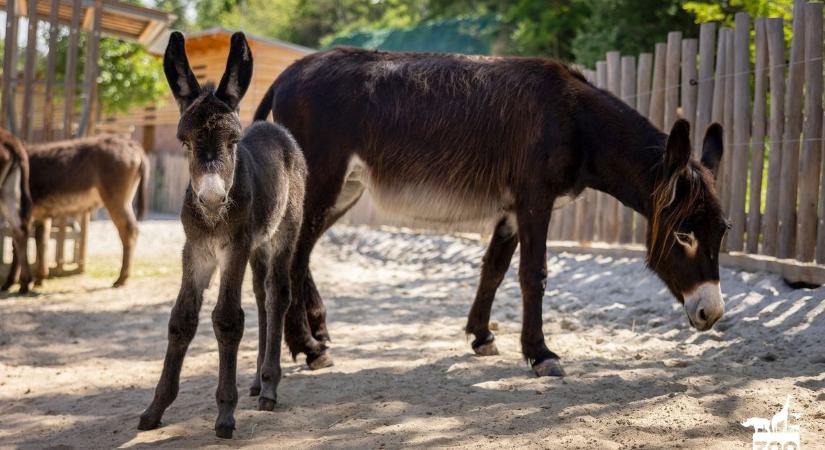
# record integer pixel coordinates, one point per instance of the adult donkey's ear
(677, 152)
(712, 148)
(179, 75)
(238, 72)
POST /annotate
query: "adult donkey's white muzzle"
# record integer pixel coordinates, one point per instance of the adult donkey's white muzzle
(704, 305)
(211, 190)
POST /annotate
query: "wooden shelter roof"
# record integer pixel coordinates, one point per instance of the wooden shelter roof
(122, 20)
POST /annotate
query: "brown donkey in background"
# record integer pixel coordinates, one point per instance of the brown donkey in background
(15, 204)
(73, 176)
(451, 138)
(244, 203)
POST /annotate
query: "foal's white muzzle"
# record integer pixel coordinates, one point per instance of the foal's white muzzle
(211, 190)
(704, 305)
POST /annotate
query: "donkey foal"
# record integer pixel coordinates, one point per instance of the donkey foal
(244, 203)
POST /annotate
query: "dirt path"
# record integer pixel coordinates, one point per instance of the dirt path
(78, 362)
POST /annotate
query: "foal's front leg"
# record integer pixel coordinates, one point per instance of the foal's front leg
(227, 321)
(198, 266)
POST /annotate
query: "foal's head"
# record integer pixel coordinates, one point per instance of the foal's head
(687, 225)
(209, 126)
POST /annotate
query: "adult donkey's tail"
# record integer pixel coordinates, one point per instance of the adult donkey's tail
(142, 191)
(265, 106)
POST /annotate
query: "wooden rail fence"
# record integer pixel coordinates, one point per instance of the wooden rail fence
(771, 177)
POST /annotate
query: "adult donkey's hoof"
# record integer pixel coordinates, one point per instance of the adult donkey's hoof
(487, 347)
(549, 368)
(266, 404)
(148, 423)
(224, 432)
(319, 361)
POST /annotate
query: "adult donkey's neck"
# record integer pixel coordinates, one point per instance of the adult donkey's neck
(623, 150)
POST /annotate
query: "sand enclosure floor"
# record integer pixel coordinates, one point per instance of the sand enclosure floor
(79, 361)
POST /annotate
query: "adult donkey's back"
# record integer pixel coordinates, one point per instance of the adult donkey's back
(450, 138)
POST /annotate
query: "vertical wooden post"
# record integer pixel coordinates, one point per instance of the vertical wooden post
(643, 87)
(674, 51)
(728, 120)
(657, 99)
(758, 143)
(741, 130)
(790, 139)
(589, 219)
(601, 197)
(90, 82)
(51, 68)
(689, 80)
(718, 103)
(776, 60)
(59, 257)
(810, 158)
(611, 211)
(9, 67)
(83, 242)
(71, 70)
(643, 79)
(27, 128)
(704, 100)
(629, 96)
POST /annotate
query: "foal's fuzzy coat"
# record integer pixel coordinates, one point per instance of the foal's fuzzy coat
(244, 203)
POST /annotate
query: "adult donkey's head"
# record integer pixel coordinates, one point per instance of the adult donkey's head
(209, 126)
(687, 225)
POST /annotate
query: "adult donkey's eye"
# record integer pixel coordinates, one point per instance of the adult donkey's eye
(688, 241)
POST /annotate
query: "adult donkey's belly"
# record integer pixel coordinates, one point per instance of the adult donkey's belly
(426, 200)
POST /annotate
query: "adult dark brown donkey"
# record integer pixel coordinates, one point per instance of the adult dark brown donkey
(72, 176)
(456, 138)
(16, 204)
(244, 203)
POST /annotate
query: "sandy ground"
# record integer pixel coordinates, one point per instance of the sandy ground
(79, 361)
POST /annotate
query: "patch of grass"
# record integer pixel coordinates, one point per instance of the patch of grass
(109, 267)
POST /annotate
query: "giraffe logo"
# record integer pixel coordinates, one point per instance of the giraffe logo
(776, 433)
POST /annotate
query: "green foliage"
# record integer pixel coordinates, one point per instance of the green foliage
(127, 75)
(630, 26)
(723, 11)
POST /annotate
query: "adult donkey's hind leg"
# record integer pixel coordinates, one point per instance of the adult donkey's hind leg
(120, 210)
(305, 325)
(494, 266)
(198, 266)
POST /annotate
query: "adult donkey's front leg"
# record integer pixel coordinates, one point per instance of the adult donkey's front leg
(533, 217)
(227, 322)
(198, 266)
(493, 268)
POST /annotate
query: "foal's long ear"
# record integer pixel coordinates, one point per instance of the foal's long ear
(238, 72)
(181, 80)
(712, 148)
(677, 153)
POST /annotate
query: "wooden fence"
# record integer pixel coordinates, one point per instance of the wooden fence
(770, 104)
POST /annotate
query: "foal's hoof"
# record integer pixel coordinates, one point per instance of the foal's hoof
(266, 404)
(119, 283)
(549, 368)
(254, 391)
(320, 361)
(224, 432)
(487, 347)
(148, 423)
